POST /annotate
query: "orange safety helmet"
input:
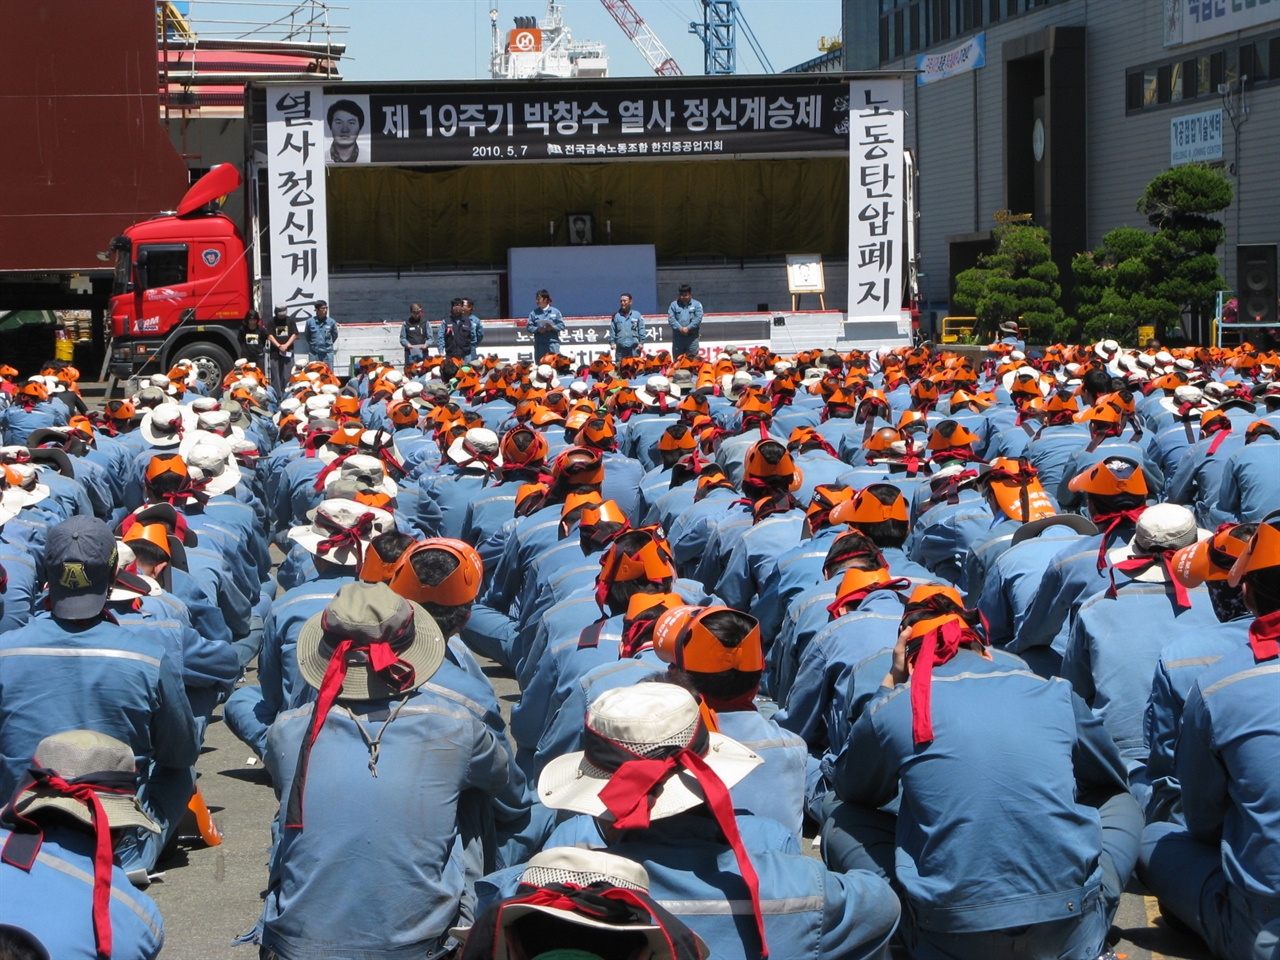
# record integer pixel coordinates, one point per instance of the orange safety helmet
(678, 436)
(375, 568)
(1261, 553)
(826, 497)
(121, 409)
(922, 628)
(881, 440)
(579, 465)
(1014, 486)
(912, 420)
(530, 496)
(598, 433)
(865, 507)
(757, 467)
(1209, 559)
(459, 587)
(598, 511)
(1101, 480)
(652, 562)
(161, 464)
(944, 437)
(513, 457)
(682, 638)
(403, 414)
(156, 534)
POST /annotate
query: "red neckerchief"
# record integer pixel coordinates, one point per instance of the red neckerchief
(339, 537)
(817, 440)
(1112, 522)
(742, 703)
(1136, 565)
(948, 488)
(847, 602)
(475, 456)
(190, 490)
(331, 467)
(936, 648)
(754, 420)
(635, 780)
(23, 845)
(600, 902)
(1264, 636)
(636, 636)
(397, 674)
(1104, 433)
(780, 399)
(1218, 428)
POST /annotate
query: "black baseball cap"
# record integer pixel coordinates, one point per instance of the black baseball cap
(80, 557)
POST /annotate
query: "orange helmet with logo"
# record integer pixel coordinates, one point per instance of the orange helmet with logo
(1212, 558)
(1261, 553)
(687, 638)
(826, 497)
(1016, 489)
(459, 586)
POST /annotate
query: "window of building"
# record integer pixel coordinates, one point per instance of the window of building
(1200, 76)
(908, 26)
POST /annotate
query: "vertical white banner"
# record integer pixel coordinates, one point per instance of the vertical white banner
(295, 172)
(876, 199)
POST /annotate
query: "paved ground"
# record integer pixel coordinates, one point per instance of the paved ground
(208, 895)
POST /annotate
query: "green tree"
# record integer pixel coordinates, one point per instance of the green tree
(1138, 278)
(1019, 281)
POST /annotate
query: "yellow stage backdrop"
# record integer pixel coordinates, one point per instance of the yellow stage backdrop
(392, 217)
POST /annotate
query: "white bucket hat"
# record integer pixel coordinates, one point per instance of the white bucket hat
(583, 868)
(473, 445)
(655, 385)
(544, 376)
(339, 533)
(164, 424)
(1162, 527)
(652, 721)
(366, 470)
(209, 456)
(28, 491)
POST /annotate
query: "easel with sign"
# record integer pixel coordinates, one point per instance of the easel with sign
(805, 275)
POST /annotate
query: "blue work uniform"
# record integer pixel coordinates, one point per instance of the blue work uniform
(546, 323)
(1050, 864)
(626, 333)
(1220, 874)
(1248, 491)
(431, 752)
(1112, 651)
(687, 317)
(1052, 449)
(53, 901)
(112, 679)
(322, 339)
(1182, 660)
(1198, 479)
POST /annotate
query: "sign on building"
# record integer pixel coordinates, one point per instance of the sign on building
(682, 120)
(1190, 21)
(1197, 137)
(295, 170)
(876, 193)
(970, 55)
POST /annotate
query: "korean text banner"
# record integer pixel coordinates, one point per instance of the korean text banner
(562, 124)
(876, 198)
(970, 55)
(296, 188)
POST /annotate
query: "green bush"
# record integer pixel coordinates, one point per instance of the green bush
(1018, 282)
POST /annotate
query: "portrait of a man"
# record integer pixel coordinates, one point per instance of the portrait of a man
(345, 124)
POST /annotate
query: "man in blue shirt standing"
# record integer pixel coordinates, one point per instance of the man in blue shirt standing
(685, 317)
(547, 323)
(626, 329)
(322, 334)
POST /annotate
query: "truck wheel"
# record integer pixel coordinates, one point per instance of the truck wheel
(211, 361)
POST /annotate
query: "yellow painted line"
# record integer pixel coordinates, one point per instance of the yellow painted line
(1153, 914)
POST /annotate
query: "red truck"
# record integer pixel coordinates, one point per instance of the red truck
(182, 286)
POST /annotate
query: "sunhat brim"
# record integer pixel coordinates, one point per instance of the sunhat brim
(425, 653)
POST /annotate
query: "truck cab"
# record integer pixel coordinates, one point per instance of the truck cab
(181, 287)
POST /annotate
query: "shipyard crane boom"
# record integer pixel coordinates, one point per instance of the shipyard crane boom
(642, 35)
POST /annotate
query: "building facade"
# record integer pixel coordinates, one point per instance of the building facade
(1066, 109)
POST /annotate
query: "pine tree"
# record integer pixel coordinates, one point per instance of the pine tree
(1019, 281)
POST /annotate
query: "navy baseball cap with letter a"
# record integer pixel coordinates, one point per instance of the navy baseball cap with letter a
(80, 557)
